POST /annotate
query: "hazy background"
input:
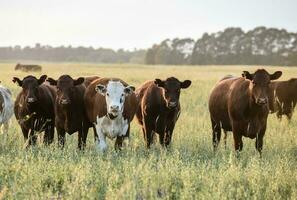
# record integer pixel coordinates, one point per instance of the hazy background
(133, 24)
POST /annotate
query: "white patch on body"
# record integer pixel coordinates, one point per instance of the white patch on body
(106, 127)
(7, 105)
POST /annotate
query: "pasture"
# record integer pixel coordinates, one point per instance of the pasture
(187, 170)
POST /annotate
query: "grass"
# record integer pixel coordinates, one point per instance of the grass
(188, 170)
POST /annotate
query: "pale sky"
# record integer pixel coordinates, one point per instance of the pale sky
(132, 24)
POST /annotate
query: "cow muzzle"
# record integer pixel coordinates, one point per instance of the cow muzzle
(31, 100)
(172, 104)
(64, 102)
(262, 101)
(114, 109)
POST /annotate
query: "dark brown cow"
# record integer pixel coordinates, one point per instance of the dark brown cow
(284, 97)
(110, 105)
(240, 105)
(69, 108)
(34, 108)
(28, 68)
(159, 108)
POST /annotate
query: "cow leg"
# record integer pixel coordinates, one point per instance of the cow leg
(82, 137)
(61, 137)
(148, 131)
(168, 133)
(216, 134)
(32, 138)
(101, 144)
(49, 133)
(25, 133)
(259, 140)
(119, 143)
(237, 136)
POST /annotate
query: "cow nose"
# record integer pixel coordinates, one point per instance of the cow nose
(64, 101)
(262, 101)
(172, 104)
(30, 100)
(114, 108)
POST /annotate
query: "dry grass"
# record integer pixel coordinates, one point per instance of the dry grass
(188, 170)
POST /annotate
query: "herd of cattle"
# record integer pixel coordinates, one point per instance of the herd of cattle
(108, 105)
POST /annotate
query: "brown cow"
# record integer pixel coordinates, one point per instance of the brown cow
(284, 97)
(110, 105)
(159, 108)
(28, 68)
(34, 108)
(69, 108)
(240, 105)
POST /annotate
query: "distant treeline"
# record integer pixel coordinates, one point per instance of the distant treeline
(71, 54)
(260, 46)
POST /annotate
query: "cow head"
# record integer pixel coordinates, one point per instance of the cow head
(30, 86)
(115, 94)
(65, 88)
(259, 85)
(171, 90)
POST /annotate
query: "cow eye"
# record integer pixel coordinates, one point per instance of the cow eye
(107, 94)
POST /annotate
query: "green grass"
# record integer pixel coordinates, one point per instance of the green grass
(188, 170)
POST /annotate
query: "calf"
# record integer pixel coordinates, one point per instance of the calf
(284, 97)
(6, 108)
(240, 105)
(69, 108)
(27, 68)
(34, 108)
(159, 108)
(110, 105)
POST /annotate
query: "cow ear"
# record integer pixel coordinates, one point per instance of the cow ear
(275, 75)
(52, 81)
(101, 89)
(129, 90)
(42, 79)
(247, 75)
(185, 84)
(79, 81)
(159, 82)
(18, 81)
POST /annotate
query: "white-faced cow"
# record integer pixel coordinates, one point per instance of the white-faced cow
(6, 108)
(69, 108)
(110, 105)
(34, 108)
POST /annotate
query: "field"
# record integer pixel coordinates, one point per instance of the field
(187, 170)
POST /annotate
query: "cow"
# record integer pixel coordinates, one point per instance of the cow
(284, 97)
(34, 108)
(111, 105)
(6, 108)
(69, 108)
(28, 68)
(241, 105)
(159, 108)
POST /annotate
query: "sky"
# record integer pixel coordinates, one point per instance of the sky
(133, 24)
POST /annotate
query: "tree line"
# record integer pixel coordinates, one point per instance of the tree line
(260, 46)
(233, 46)
(71, 54)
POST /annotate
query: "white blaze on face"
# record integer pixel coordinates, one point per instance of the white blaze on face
(115, 93)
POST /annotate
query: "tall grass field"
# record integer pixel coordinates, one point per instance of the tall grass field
(189, 169)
